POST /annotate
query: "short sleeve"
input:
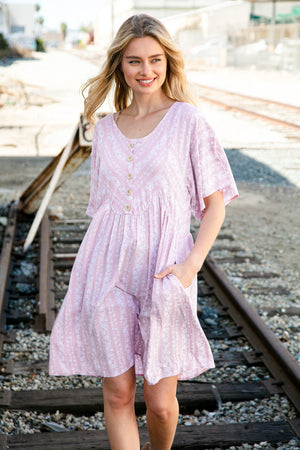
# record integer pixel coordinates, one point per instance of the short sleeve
(95, 166)
(209, 166)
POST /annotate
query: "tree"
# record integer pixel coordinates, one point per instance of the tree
(40, 20)
(64, 28)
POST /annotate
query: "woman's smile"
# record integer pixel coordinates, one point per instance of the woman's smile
(146, 82)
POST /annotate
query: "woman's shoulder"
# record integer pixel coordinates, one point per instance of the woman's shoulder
(103, 122)
(189, 112)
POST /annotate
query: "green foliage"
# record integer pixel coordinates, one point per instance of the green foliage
(39, 45)
(3, 42)
(63, 28)
(40, 20)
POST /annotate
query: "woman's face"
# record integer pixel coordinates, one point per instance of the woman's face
(144, 65)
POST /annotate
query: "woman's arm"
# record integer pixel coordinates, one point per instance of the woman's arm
(210, 226)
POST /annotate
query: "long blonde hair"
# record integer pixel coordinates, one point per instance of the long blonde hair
(111, 76)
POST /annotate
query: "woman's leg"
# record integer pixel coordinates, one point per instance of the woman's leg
(118, 394)
(162, 412)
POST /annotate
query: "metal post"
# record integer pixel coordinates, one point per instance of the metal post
(273, 22)
(112, 19)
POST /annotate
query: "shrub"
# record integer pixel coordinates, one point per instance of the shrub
(3, 42)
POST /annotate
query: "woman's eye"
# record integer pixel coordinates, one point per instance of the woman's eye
(155, 60)
(133, 62)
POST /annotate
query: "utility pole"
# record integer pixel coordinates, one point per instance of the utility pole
(112, 19)
(273, 22)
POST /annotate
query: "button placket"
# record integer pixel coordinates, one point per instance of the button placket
(129, 176)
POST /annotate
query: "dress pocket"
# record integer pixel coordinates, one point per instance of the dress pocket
(178, 282)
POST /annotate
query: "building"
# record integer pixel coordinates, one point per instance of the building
(17, 24)
(4, 21)
(189, 21)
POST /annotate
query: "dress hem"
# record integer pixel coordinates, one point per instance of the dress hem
(180, 377)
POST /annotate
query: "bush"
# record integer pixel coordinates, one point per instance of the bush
(3, 42)
(39, 45)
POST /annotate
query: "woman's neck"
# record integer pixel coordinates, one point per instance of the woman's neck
(142, 105)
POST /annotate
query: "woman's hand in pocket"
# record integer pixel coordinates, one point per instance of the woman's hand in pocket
(183, 271)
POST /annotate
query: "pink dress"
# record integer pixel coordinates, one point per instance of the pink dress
(115, 314)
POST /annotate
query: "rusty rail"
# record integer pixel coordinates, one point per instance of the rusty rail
(5, 263)
(247, 111)
(268, 348)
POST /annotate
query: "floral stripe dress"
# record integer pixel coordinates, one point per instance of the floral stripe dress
(143, 191)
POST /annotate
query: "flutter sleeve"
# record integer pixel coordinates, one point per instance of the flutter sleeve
(210, 170)
(95, 165)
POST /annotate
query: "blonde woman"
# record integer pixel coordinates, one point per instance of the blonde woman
(131, 304)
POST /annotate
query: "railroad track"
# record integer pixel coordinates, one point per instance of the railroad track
(32, 288)
(281, 114)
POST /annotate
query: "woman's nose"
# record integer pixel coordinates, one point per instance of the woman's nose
(145, 68)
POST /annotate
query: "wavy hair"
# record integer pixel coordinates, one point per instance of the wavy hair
(111, 75)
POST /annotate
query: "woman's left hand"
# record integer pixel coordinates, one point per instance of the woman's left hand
(183, 271)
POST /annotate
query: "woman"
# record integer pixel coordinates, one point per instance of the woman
(131, 304)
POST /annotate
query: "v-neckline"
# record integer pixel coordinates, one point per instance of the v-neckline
(147, 135)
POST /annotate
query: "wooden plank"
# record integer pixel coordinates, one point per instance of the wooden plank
(63, 264)
(86, 129)
(64, 256)
(57, 249)
(253, 274)
(41, 205)
(276, 290)
(67, 240)
(7, 367)
(238, 259)
(45, 300)
(191, 396)
(31, 198)
(229, 248)
(228, 358)
(290, 311)
(70, 228)
(71, 221)
(186, 438)
(225, 236)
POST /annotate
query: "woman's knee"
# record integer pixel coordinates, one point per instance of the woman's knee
(162, 408)
(161, 398)
(119, 393)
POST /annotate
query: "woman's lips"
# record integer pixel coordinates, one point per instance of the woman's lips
(146, 82)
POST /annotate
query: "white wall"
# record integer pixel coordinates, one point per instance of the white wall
(104, 27)
(211, 21)
(4, 28)
(167, 8)
(207, 22)
(173, 4)
(21, 18)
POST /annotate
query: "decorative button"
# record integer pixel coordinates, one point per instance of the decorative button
(128, 192)
(131, 145)
(129, 176)
(127, 207)
(130, 158)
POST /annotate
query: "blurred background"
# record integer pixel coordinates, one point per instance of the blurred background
(238, 33)
(49, 49)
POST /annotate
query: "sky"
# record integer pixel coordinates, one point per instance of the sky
(73, 12)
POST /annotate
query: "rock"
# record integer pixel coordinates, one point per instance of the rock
(3, 221)
(53, 426)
